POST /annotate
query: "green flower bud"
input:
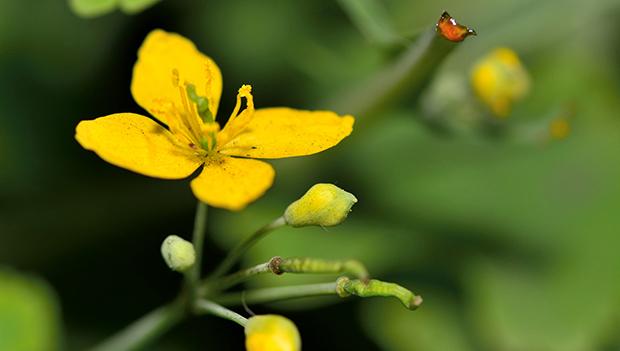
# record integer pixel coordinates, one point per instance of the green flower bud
(324, 205)
(178, 253)
(271, 333)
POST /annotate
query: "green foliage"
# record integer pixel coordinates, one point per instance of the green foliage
(95, 8)
(512, 244)
(436, 327)
(29, 314)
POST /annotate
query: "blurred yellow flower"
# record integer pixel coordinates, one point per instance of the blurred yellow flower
(499, 79)
(271, 333)
(559, 128)
(181, 87)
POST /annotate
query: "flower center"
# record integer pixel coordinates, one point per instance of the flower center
(193, 121)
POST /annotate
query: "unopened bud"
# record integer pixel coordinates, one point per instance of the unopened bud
(178, 253)
(324, 205)
(271, 333)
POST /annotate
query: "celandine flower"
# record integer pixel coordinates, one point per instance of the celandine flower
(181, 87)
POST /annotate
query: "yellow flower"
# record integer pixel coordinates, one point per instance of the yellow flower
(181, 87)
(559, 128)
(499, 79)
(271, 333)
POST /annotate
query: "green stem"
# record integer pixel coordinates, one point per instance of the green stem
(343, 287)
(198, 237)
(236, 278)
(138, 334)
(238, 251)
(209, 307)
(278, 265)
(277, 294)
(408, 74)
(372, 19)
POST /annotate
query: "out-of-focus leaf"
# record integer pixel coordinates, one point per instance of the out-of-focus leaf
(558, 202)
(517, 309)
(95, 8)
(135, 6)
(435, 326)
(29, 314)
(372, 19)
(92, 8)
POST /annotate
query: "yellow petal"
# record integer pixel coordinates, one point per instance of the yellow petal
(232, 183)
(153, 84)
(285, 132)
(138, 144)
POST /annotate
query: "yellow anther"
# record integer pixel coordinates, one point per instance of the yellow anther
(208, 76)
(246, 92)
(208, 128)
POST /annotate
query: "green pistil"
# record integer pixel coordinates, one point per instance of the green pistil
(202, 104)
(209, 143)
(205, 144)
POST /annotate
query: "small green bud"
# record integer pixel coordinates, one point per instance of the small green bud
(178, 253)
(324, 205)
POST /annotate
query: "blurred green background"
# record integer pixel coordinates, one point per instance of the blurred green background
(511, 239)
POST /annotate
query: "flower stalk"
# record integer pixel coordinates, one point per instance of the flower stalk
(342, 287)
(280, 293)
(198, 237)
(235, 254)
(138, 334)
(278, 265)
(209, 307)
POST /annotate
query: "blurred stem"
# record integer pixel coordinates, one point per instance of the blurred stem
(407, 75)
(372, 20)
(141, 332)
(209, 307)
(198, 237)
(238, 251)
(277, 294)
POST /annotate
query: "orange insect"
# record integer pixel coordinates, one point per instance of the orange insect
(450, 30)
